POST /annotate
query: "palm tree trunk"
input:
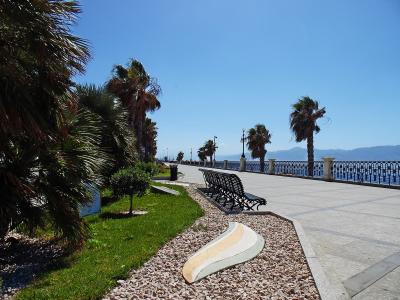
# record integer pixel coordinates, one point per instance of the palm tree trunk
(262, 164)
(146, 152)
(310, 153)
(211, 160)
(139, 137)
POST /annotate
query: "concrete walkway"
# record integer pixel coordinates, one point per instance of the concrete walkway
(355, 230)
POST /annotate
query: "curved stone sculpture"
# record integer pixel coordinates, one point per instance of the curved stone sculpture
(237, 244)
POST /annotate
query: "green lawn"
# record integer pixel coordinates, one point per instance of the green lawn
(165, 173)
(116, 246)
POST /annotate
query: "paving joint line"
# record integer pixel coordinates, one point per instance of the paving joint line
(379, 242)
(359, 282)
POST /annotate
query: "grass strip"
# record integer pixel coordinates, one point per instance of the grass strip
(117, 246)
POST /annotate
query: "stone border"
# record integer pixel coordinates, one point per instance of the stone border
(326, 289)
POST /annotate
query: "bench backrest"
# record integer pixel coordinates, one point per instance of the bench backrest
(210, 177)
(227, 181)
(237, 186)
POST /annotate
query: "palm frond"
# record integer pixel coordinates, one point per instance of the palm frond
(257, 138)
(304, 117)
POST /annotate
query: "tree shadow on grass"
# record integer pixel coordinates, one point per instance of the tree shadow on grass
(121, 215)
(107, 200)
(23, 260)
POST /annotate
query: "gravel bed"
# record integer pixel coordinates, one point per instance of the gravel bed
(280, 271)
(22, 259)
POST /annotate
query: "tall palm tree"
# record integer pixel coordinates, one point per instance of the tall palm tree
(138, 92)
(257, 137)
(201, 153)
(303, 122)
(209, 149)
(150, 140)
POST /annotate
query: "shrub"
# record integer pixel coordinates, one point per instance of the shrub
(130, 181)
(150, 168)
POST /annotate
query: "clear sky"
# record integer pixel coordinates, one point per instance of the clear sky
(226, 65)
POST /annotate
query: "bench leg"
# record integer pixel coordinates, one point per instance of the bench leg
(261, 203)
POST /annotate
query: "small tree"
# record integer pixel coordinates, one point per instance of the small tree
(150, 168)
(180, 155)
(130, 181)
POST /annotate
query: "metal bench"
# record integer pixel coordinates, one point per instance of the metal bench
(227, 190)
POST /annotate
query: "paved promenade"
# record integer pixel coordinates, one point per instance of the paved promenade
(355, 230)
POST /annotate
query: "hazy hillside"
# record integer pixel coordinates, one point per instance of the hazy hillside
(297, 153)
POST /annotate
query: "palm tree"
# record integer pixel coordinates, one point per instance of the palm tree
(201, 153)
(67, 168)
(117, 139)
(180, 156)
(150, 140)
(209, 149)
(38, 57)
(257, 137)
(303, 122)
(138, 92)
(49, 147)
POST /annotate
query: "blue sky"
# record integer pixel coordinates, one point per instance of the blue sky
(227, 65)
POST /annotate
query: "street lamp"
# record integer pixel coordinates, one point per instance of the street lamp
(215, 148)
(243, 139)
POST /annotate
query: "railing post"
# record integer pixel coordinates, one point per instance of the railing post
(242, 166)
(225, 164)
(271, 166)
(205, 162)
(328, 161)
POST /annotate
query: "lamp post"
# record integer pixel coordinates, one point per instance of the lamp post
(243, 139)
(167, 154)
(242, 166)
(215, 149)
(190, 155)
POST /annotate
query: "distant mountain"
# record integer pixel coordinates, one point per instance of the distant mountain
(297, 153)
